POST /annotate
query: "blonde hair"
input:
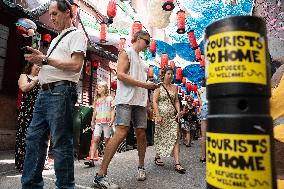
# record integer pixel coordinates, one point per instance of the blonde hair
(106, 92)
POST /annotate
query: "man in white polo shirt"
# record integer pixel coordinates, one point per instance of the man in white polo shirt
(61, 69)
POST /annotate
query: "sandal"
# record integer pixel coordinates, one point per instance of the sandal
(158, 161)
(180, 170)
(90, 163)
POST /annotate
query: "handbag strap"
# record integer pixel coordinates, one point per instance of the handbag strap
(59, 41)
(170, 98)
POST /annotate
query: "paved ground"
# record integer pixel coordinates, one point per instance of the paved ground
(122, 171)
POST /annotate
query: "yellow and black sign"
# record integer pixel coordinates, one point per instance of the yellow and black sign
(236, 56)
(238, 161)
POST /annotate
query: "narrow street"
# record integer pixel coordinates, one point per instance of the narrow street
(122, 171)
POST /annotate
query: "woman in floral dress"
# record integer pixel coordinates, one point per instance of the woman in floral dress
(28, 84)
(166, 138)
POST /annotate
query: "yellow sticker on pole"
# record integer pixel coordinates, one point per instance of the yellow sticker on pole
(236, 56)
(237, 161)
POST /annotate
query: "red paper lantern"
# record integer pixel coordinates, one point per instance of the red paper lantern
(172, 64)
(168, 5)
(111, 10)
(194, 88)
(46, 39)
(164, 60)
(95, 64)
(192, 40)
(202, 61)
(113, 85)
(153, 47)
(121, 44)
(137, 26)
(178, 74)
(103, 33)
(184, 80)
(188, 87)
(198, 54)
(74, 12)
(181, 22)
(151, 71)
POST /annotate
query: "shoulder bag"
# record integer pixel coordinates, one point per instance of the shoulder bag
(171, 101)
(59, 41)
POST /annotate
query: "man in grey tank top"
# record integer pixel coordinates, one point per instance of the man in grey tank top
(131, 102)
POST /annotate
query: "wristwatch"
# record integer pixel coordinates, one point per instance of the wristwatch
(44, 61)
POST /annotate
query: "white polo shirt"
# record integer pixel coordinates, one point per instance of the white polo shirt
(74, 41)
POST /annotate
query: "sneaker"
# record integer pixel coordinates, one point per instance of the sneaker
(102, 182)
(141, 174)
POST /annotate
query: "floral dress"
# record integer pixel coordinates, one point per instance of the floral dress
(166, 132)
(24, 120)
(190, 119)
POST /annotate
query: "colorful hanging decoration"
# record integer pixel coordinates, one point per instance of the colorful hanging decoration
(121, 44)
(164, 60)
(151, 71)
(194, 73)
(153, 47)
(188, 87)
(178, 74)
(198, 54)
(26, 27)
(184, 51)
(111, 11)
(202, 61)
(156, 71)
(168, 5)
(208, 12)
(181, 22)
(194, 88)
(172, 64)
(137, 26)
(182, 93)
(192, 40)
(183, 80)
(74, 12)
(103, 33)
(46, 39)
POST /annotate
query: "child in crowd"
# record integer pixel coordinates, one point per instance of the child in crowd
(102, 120)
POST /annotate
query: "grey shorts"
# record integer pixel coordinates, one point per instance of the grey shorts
(102, 127)
(126, 113)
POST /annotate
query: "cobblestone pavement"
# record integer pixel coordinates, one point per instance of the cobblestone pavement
(122, 171)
